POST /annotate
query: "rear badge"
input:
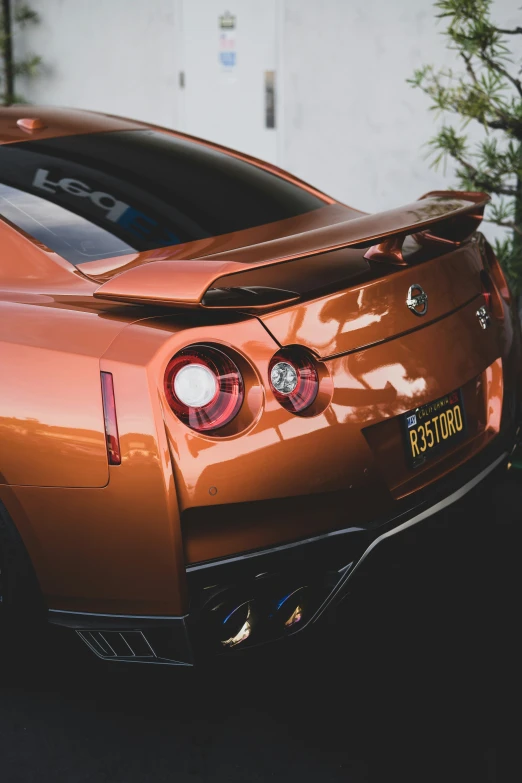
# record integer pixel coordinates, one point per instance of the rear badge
(483, 316)
(417, 299)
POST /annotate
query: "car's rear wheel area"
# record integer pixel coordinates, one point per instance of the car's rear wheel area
(21, 603)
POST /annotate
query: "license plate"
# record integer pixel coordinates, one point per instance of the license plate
(434, 427)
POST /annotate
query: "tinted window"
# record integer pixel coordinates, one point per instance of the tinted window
(105, 194)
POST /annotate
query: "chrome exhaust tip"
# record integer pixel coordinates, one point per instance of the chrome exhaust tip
(240, 618)
(292, 610)
(231, 621)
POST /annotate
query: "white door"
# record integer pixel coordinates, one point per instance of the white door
(228, 77)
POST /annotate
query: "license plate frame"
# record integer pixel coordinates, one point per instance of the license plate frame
(423, 443)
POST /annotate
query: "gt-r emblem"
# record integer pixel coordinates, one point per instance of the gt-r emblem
(417, 299)
(483, 316)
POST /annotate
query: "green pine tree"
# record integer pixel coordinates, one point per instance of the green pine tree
(487, 90)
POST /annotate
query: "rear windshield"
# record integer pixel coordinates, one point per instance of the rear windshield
(108, 194)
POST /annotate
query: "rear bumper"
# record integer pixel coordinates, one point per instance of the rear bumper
(325, 564)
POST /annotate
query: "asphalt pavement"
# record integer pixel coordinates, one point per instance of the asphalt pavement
(417, 681)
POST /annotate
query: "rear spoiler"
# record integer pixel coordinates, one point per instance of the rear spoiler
(241, 278)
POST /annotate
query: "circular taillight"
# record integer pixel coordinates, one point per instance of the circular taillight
(204, 387)
(195, 385)
(284, 378)
(293, 379)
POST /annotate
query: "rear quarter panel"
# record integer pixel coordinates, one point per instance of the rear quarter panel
(51, 416)
(118, 548)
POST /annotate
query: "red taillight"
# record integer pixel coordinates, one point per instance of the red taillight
(111, 424)
(293, 379)
(204, 387)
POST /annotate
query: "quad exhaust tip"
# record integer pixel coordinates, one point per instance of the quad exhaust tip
(239, 623)
(232, 622)
(291, 609)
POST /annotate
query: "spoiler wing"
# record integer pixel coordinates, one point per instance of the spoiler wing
(439, 216)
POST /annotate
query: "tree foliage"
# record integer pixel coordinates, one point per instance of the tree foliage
(487, 90)
(22, 15)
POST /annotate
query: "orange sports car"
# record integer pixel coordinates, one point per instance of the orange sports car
(221, 388)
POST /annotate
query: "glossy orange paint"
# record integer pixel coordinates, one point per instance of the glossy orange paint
(358, 436)
(18, 123)
(117, 539)
(367, 314)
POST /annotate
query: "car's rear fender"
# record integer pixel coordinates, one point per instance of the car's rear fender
(118, 549)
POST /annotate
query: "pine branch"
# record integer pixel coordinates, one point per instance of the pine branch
(481, 181)
(515, 31)
(506, 123)
(482, 100)
(495, 66)
(470, 69)
(513, 127)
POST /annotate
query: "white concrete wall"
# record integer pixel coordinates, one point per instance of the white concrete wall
(116, 56)
(352, 125)
(347, 120)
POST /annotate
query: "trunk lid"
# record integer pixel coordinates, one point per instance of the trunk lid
(376, 310)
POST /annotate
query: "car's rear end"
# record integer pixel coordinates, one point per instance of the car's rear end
(348, 395)
(291, 390)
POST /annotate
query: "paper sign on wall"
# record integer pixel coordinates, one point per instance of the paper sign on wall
(227, 41)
